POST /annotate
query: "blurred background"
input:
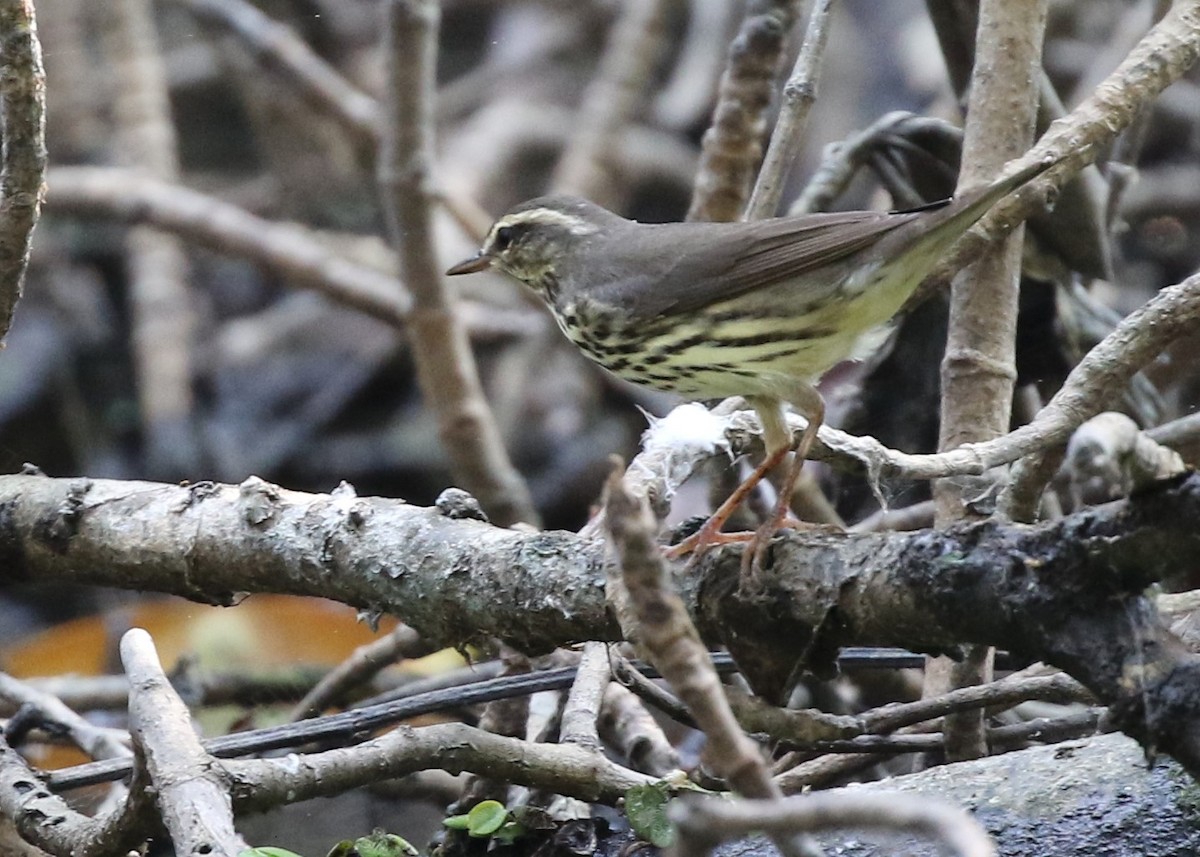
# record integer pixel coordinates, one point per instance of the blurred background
(141, 355)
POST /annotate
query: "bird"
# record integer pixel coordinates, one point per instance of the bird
(758, 309)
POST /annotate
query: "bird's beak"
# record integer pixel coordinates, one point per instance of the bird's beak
(478, 262)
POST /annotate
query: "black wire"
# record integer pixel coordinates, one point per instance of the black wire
(347, 726)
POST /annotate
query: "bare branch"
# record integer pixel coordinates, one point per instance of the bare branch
(1075, 598)
(297, 253)
(163, 319)
(1096, 382)
(979, 367)
(43, 818)
(445, 365)
(23, 155)
(188, 786)
(96, 742)
(799, 94)
(673, 646)
(582, 710)
(365, 662)
(561, 768)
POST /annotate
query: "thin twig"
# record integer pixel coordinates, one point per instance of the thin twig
(96, 742)
(1000, 739)
(445, 365)
(799, 95)
(363, 664)
(666, 631)
(582, 709)
(1097, 381)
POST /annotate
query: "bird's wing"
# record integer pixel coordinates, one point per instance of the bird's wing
(706, 263)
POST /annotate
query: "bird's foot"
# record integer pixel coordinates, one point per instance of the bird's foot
(708, 536)
(760, 541)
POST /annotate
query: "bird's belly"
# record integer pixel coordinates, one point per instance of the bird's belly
(709, 357)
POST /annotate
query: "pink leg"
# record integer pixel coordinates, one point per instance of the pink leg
(757, 549)
(710, 533)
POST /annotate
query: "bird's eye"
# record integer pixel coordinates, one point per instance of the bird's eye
(504, 237)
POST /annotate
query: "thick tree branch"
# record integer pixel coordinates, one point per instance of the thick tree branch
(1067, 592)
(978, 371)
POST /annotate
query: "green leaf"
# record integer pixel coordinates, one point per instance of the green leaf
(382, 844)
(486, 817)
(510, 832)
(646, 807)
(267, 851)
(456, 822)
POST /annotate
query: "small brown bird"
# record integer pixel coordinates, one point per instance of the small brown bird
(758, 309)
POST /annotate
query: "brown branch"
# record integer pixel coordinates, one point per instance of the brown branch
(1068, 592)
(295, 252)
(732, 146)
(188, 785)
(445, 366)
(799, 95)
(979, 367)
(673, 645)
(23, 155)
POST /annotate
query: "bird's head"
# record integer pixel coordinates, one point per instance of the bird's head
(534, 241)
